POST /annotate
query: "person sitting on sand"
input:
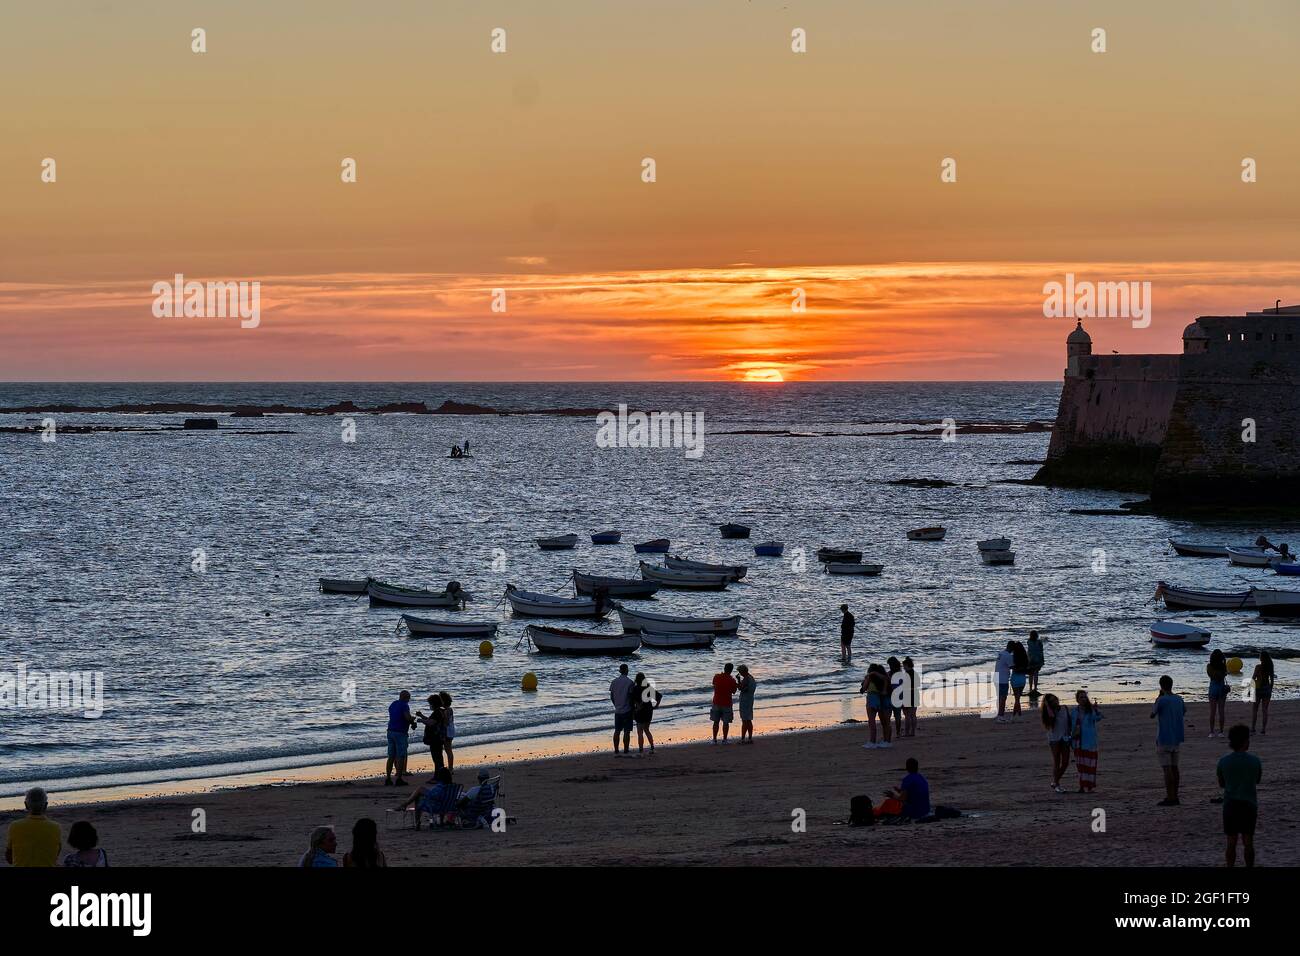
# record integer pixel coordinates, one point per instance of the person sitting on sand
(1217, 670)
(437, 798)
(724, 688)
(914, 792)
(84, 841)
(34, 840)
(1060, 728)
(876, 686)
(620, 695)
(911, 697)
(1263, 681)
(1086, 716)
(365, 853)
(1169, 712)
(847, 623)
(1239, 772)
(1035, 651)
(476, 807)
(746, 685)
(320, 849)
(400, 722)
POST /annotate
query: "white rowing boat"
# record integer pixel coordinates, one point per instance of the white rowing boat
(676, 640)
(733, 571)
(1252, 557)
(394, 595)
(536, 604)
(426, 627)
(1179, 599)
(853, 567)
(994, 544)
(1188, 549)
(1173, 634)
(559, 640)
(684, 580)
(637, 620)
(1272, 602)
(343, 586)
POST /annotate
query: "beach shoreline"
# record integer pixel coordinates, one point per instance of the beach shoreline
(696, 803)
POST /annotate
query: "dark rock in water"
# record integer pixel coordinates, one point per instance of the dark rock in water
(200, 424)
(922, 483)
(463, 408)
(403, 408)
(340, 408)
(1102, 511)
(247, 411)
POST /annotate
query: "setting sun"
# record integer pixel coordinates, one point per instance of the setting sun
(763, 375)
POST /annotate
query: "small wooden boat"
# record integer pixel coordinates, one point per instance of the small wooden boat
(560, 640)
(426, 627)
(769, 549)
(994, 544)
(733, 571)
(676, 640)
(1187, 549)
(637, 620)
(1180, 599)
(536, 604)
(1252, 557)
(853, 567)
(927, 534)
(1001, 556)
(734, 531)
(342, 586)
(657, 546)
(563, 542)
(607, 537)
(394, 595)
(838, 555)
(1274, 603)
(1173, 634)
(684, 580)
(1290, 568)
(614, 587)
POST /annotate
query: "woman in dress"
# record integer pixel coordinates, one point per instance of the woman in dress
(1263, 678)
(1059, 727)
(85, 846)
(1217, 670)
(875, 686)
(435, 731)
(1086, 716)
(747, 685)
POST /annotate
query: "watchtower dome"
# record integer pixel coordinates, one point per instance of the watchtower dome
(1195, 339)
(1077, 346)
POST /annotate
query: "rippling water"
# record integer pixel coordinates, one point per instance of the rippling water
(247, 660)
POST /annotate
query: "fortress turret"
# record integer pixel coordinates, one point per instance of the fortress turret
(1077, 346)
(1195, 339)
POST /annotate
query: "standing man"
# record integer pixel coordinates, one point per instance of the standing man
(400, 723)
(1003, 668)
(1168, 712)
(34, 840)
(620, 695)
(846, 635)
(1035, 651)
(1238, 774)
(724, 688)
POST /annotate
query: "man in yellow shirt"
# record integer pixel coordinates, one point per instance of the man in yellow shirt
(35, 840)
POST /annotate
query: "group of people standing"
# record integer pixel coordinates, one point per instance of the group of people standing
(892, 694)
(439, 733)
(635, 701)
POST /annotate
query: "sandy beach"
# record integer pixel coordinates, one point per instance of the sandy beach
(700, 804)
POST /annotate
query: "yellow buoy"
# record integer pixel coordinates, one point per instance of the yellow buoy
(529, 682)
(485, 649)
(1234, 665)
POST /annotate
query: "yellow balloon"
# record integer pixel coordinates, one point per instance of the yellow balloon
(485, 649)
(1234, 665)
(529, 682)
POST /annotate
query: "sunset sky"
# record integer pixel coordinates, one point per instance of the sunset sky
(522, 171)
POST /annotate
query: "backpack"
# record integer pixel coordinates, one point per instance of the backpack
(860, 812)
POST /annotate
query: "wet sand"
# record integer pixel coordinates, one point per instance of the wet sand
(701, 804)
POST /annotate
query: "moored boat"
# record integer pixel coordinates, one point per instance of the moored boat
(536, 604)
(607, 537)
(561, 640)
(1189, 549)
(427, 627)
(614, 587)
(343, 586)
(395, 595)
(838, 554)
(561, 542)
(1291, 568)
(1179, 599)
(1252, 557)
(1174, 634)
(733, 571)
(998, 556)
(734, 531)
(656, 546)
(994, 544)
(927, 534)
(634, 620)
(675, 640)
(853, 567)
(769, 549)
(684, 580)
(1275, 603)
